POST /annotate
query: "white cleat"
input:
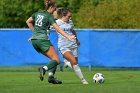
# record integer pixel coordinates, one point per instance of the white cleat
(67, 64)
(84, 81)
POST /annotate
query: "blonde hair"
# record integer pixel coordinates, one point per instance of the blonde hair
(49, 3)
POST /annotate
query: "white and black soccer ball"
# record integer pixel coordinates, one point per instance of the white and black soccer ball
(98, 78)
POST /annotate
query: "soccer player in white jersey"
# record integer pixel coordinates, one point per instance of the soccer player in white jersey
(69, 49)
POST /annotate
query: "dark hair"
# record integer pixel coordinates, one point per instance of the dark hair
(49, 3)
(63, 11)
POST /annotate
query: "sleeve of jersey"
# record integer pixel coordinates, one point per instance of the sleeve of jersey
(51, 20)
(58, 22)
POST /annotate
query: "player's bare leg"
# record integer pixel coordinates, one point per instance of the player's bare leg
(52, 54)
(69, 56)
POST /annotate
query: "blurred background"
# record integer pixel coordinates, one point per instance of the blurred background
(86, 13)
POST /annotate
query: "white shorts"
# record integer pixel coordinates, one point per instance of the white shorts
(73, 50)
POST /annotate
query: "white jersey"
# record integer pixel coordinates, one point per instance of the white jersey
(68, 28)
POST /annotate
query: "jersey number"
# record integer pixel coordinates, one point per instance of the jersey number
(39, 20)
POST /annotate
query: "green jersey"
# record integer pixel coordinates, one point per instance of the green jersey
(42, 21)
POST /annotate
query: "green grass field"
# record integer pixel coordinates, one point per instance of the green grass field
(27, 81)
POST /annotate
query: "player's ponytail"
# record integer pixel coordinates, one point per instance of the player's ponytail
(59, 12)
(49, 3)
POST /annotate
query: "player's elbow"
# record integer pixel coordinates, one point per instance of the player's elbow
(29, 21)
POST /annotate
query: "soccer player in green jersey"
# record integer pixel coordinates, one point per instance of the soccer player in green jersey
(39, 22)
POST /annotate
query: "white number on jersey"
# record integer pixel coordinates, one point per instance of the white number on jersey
(39, 20)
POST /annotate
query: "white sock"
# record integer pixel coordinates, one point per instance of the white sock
(78, 71)
(45, 67)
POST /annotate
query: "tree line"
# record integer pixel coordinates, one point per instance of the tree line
(86, 13)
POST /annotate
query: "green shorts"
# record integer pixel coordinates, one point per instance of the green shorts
(41, 45)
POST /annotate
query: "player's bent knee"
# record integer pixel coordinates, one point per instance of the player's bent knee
(74, 63)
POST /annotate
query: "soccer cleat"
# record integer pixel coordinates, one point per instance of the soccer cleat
(52, 80)
(84, 81)
(42, 73)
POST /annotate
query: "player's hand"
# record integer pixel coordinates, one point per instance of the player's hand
(78, 43)
(30, 39)
(72, 37)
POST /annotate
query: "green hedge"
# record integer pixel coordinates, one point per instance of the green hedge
(109, 14)
(86, 13)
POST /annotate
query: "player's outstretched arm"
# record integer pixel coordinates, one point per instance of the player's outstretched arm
(59, 30)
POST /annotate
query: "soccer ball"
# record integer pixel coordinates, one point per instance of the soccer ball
(98, 78)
